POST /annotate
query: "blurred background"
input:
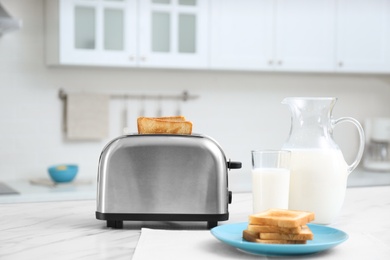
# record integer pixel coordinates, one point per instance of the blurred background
(228, 58)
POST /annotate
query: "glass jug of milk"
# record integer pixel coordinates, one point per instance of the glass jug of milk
(319, 173)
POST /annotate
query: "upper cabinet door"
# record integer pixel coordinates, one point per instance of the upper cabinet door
(241, 34)
(173, 33)
(294, 35)
(363, 34)
(99, 32)
(305, 35)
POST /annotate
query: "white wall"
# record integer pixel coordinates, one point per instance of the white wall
(241, 110)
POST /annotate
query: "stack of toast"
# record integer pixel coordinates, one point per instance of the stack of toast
(279, 226)
(164, 125)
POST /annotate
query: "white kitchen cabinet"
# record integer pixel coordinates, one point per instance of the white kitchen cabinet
(173, 33)
(363, 36)
(304, 35)
(96, 33)
(241, 34)
(261, 35)
(129, 33)
(291, 35)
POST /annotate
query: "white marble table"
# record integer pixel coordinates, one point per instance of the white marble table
(69, 230)
(28, 192)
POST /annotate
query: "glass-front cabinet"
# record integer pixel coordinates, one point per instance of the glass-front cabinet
(92, 32)
(173, 32)
(145, 33)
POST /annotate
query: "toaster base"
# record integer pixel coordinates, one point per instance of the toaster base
(115, 220)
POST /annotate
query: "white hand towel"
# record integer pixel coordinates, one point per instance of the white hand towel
(87, 116)
(183, 244)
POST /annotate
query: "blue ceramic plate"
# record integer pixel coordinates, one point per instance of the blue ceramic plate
(324, 238)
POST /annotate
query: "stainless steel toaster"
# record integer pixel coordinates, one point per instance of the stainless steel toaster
(163, 178)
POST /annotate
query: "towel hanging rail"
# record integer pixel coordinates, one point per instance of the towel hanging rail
(184, 96)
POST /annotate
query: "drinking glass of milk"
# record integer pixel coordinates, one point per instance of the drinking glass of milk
(270, 179)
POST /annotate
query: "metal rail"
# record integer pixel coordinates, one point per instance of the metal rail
(184, 96)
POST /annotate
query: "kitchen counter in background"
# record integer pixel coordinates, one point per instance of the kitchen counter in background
(78, 190)
(69, 230)
(86, 189)
(364, 178)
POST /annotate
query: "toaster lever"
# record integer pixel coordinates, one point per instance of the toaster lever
(234, 165)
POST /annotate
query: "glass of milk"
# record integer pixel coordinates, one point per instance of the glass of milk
(270, 179)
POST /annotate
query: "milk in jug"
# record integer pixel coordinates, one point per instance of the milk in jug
(319, 173)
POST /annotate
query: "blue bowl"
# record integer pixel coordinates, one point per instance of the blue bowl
(63, 172)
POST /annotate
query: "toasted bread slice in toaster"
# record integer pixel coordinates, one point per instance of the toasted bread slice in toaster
(164, 125)
(282, 218)
(252, 236)
(171, 118)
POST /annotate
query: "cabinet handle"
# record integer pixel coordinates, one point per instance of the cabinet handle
(341, 64)
(271, 62)
(280, 63)
(143, 58)
(131, 58)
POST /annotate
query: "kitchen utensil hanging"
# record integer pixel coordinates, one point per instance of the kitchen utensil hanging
(178, 108)
(125, 116)
(183, 97)
(159, 107)
(142, 106)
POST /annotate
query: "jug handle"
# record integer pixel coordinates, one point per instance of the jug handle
(361, 140)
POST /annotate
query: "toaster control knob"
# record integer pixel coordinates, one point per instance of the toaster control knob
(234, 165)
(230, 197)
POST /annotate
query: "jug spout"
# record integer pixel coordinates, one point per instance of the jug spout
(311, 122)
(310, 104)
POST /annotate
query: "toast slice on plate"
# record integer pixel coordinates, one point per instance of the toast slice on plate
(281, 218)
(274, 229)
(252, 236)
(279, 226)
(305, 234)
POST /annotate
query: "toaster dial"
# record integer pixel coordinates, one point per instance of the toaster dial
(233, 165)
